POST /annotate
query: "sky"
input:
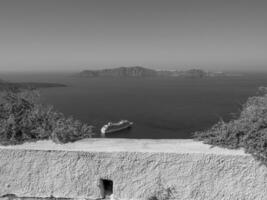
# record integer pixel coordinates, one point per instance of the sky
(71, 35)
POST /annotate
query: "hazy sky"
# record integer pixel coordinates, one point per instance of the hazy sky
(80, 34)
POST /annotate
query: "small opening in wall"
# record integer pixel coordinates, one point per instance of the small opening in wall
(106, 187)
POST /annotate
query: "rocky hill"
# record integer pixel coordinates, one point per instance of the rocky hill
(135, 71)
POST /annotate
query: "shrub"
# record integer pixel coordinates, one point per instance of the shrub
(162, 192)
(248, 131)
(23, 118)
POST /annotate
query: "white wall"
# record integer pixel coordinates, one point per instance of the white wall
(135, 175)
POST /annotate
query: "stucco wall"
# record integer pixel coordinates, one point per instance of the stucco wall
(203, 175)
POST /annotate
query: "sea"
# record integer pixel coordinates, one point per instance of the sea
(161, 108)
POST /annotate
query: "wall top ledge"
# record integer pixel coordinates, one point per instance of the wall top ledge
(180, 146)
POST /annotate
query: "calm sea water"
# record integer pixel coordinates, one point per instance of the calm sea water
(159, 107)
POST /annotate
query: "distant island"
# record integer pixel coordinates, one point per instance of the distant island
(139, 71)
(26, 85)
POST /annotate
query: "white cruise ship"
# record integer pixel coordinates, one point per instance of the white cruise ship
(115, 127)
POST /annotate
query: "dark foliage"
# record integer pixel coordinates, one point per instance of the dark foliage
(23, 118)
(248, 131)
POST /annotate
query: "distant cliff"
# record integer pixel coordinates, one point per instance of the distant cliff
(138, 71)
(135, 71)
(35, 85)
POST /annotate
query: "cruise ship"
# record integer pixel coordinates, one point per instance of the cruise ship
(115, 127)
